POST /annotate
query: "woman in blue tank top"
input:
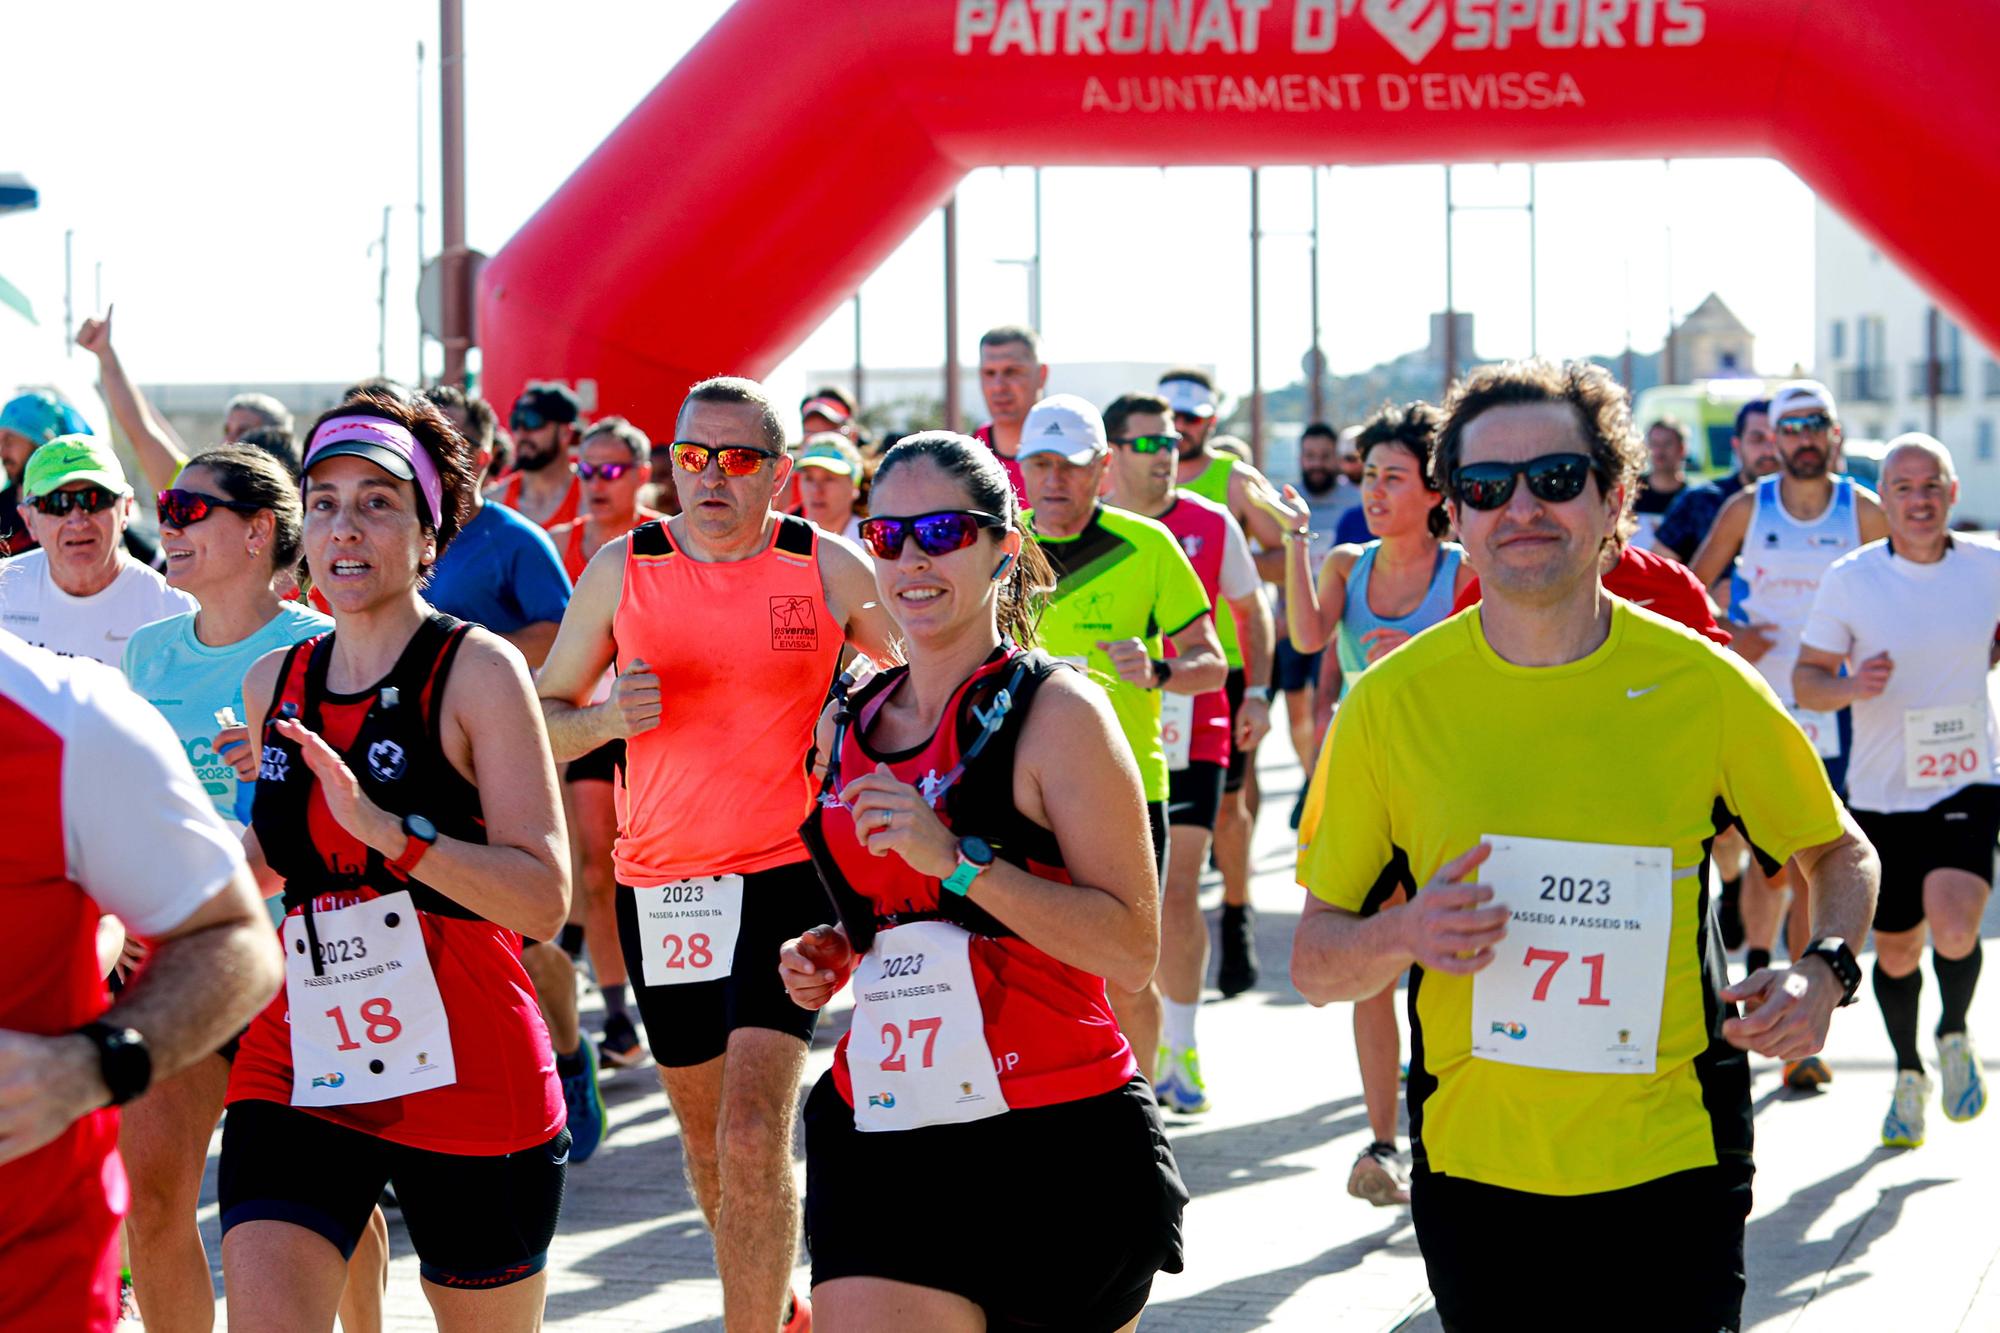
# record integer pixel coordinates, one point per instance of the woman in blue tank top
(1371, 599)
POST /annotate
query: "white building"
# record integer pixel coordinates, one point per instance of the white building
(1872, 349)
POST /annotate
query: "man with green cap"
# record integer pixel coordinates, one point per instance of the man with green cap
(81, 594)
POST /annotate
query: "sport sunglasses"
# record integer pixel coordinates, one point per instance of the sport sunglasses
(737, 460)
(938, 533)
(526, 418)
(1816, 424)
(1150, 444)
(1554, 478)
(610, 471)
(90, 499)
(179, 508)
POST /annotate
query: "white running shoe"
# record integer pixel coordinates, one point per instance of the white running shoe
(1903, 1127)
(1964, 1081)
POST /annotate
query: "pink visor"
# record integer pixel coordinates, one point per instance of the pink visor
(385, 444)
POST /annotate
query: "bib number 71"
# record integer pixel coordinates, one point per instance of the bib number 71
(1555, 958)
(896, 1062)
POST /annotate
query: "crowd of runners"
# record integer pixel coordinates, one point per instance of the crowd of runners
(488, 715)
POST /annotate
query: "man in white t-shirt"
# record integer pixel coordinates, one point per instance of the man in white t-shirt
(1912, 620)
(80, 594)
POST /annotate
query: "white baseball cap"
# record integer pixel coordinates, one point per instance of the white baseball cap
(1063, 424)
(1801, 396)
(1190, 396)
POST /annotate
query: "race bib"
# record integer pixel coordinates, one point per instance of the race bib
(1945, 747)
(1822, 729)
(1176, 728)
(1578, 982)
(916, 1048)
(688, 929)
(371, 1025)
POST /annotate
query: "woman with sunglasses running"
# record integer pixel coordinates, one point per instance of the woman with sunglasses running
(230, 531)
(1371, 599)
(407, 1046)
(613, 464)
(983, 830)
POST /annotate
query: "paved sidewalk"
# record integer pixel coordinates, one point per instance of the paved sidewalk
(1845, 1235)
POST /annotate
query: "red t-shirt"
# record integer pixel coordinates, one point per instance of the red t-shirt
(1048, 1024)
(1664, 587)
(1202, 529)
(985, 436)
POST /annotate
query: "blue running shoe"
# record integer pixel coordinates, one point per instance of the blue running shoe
(1964, 1081)
(1177, 1082)
(1903, 1127)
(585, 1102)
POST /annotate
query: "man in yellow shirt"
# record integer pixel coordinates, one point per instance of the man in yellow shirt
(1579, 1085)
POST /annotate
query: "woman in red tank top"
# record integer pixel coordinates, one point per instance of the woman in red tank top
(993, 863)
(407, 1046)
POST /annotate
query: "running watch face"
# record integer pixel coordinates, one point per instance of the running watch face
(976, 850)
(420, 828)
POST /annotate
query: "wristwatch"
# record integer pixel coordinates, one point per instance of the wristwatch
(419, 836)
(122, 1060)
(1163, 671)
(1261, 693)
(974, 855)
(1834, 952)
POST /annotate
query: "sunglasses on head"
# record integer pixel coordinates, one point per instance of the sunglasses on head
(737, 460)
(1149, 444)
(1813, 424)
(938, 533)
(608, 471)
(1554, 478)
(179, 508)
(90, 499)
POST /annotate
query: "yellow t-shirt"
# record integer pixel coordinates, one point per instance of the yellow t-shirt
(1442, 743)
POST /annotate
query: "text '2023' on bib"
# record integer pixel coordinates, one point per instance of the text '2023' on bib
(371, 1024)
(688, 929)
(1579, 980)
(916, 1051)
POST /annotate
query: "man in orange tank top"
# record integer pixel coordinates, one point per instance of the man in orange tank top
(726, 625)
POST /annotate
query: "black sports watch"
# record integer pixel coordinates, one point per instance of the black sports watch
(1163, 671)
(1833, 950)
(122, 1060)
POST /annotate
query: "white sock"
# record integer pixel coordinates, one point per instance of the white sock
(1177, 1024)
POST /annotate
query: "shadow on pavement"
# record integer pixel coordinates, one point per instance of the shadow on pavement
(1213, 1161)
(1248, 1303)
(1782, 1254)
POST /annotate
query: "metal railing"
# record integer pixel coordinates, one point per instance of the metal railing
(1950, 382)
(1863, 384)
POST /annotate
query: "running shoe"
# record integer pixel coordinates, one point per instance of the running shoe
(1177, 1081)
(1379, 1176)
(586, 1105)
(620, 1048)
(1236, 965)
(1964, 1082)
(800, 1320)
(1903, 1127)
(1807, 1075)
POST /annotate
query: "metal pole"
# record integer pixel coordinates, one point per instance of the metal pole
(382, 302)
(1317, 368)
(1035, 265)
(1669, 369)
(69, 301)
(423, 371)
(1450, 294)
(457, 302)
(1256, 338)
(1534, 320)
(1933, 369)
(857, 349)
(951, 414)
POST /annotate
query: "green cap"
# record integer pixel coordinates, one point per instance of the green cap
(829, 456)
(72, 458)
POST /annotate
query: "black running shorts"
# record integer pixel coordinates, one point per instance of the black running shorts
(1194, 795)
(1662, 1257)
(475, 1222)
(1955, 834)
(690, 1024)
(1060, 1217)
(1239, 758)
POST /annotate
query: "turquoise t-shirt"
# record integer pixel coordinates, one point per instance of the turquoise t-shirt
(190, 682)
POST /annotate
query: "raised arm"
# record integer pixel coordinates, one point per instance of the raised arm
(161, 452)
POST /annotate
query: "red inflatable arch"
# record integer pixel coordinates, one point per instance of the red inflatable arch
(799, 142)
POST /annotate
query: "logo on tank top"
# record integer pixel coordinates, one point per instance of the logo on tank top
(794, 625)
(275, 766)
(387, 761)
(1192, 545)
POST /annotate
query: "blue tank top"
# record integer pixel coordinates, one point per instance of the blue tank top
(1358, 619)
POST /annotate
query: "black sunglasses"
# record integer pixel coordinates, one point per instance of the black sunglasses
(90, 499)
(526, 418)
(179, 508)
(1149, 444)
(938, 533)
(1554, 478)
(1817, 423)
(608, 471)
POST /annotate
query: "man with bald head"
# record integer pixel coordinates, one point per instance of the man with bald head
(1911, 619)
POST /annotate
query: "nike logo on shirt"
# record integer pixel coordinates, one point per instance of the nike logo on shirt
(1640, 694)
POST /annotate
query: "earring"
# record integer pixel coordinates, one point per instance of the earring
(1001, 572)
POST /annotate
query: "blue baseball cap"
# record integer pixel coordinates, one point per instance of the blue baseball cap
(38, 416)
